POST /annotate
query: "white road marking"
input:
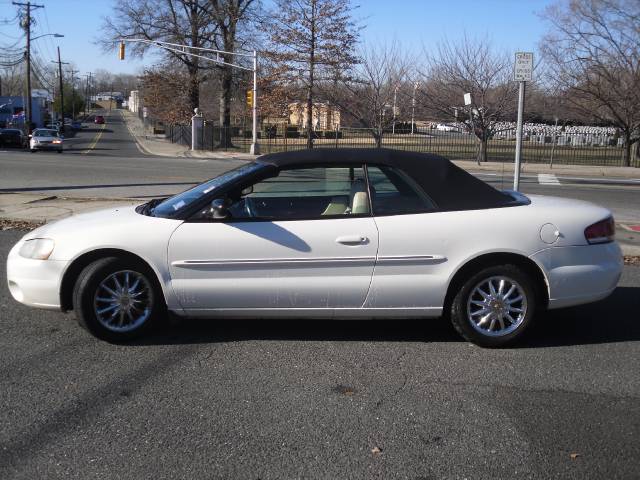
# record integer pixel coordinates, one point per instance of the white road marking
(548, 179)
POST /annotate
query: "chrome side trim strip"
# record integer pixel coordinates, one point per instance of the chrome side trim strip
(269, 262)
(401, 259)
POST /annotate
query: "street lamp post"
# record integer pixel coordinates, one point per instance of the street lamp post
(395, 98)
(413, 107)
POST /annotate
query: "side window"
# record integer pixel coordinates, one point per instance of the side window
(395, 193)
(304, 193)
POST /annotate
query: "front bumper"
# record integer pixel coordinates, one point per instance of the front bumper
(580, 274)
(35, 283)
(47, 146)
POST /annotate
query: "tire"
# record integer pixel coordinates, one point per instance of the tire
(59, 151)
(32, 150)
(91, 295)
(483, 320)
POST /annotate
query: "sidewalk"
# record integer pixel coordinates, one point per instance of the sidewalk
(157, 144)
(21, 208)
(579, 171)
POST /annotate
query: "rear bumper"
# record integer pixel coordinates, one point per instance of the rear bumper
(580, 274)
(35, 283)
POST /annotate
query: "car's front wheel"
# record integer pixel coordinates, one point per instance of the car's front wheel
(495, 306)
(117, 299)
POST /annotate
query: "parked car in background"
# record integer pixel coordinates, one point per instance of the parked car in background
(443, 127)
(337, 234)
(98, 120)
(57, 126)
(46, 139)
(12, 137)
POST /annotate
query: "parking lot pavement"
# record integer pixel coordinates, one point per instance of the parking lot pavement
(310, 399)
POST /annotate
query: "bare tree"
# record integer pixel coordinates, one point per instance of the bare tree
(469, 66)
(184, 22)
(311, 40)
(166, 95)
(368, 92)
(593, 51)
(12, 81)
(229, 16)
(118, 82)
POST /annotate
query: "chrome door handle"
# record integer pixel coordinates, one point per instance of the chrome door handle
(352, 240)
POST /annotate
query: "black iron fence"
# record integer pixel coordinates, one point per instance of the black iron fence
(563, 148)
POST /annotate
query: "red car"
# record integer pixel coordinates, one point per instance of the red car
(99, 120)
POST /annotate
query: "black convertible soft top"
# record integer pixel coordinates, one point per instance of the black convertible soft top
(451, 187)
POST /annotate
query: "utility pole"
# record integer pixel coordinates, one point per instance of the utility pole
(59, 62)
(87, 92)
(72, 72)
(110, 97)
(27, 27)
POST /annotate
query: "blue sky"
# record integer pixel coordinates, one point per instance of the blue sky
(511, 24)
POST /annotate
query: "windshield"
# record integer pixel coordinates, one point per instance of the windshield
(45, 133)
(168, 207)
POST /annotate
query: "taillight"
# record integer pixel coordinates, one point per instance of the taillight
(601, 232)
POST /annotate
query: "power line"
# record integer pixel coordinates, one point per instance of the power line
(27, 27)
(45, 39)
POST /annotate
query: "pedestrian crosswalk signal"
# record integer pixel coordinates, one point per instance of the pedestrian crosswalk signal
(121, 51)
(250, 98)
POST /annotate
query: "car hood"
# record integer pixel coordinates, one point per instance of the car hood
(121, 228)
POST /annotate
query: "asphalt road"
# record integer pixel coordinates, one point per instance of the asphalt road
(107, 164)
(310, 399)
(103, 162)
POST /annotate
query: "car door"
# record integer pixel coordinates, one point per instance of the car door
(411, 269)
(303, 239)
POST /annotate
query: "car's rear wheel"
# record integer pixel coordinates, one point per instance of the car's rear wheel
(495, 306)
(117, 299)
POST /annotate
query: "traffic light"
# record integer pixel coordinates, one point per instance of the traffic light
(250, 98)
(121, 51)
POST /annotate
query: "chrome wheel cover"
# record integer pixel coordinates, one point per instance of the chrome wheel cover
(496, 306)
(123, 301)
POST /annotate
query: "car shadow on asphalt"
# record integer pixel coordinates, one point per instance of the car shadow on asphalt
(612, 320)
(188, 331)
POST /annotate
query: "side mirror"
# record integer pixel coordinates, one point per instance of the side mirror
(220, 208)
(247, 191)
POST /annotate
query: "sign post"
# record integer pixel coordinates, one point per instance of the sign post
(523, 72)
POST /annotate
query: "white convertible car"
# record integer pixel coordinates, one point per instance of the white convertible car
(353, 233)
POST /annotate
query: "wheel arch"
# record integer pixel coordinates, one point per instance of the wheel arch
(476, 264)
(72, 272)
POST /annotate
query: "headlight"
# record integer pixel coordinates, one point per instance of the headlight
(37, 248)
